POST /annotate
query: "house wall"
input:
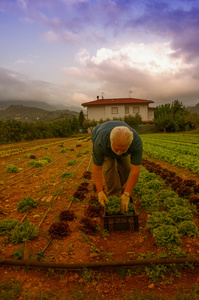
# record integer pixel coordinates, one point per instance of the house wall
(151, 114)
(96, 112)
(106, 111)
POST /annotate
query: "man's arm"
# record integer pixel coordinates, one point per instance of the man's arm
(131, 182)
(133, 178)
(98, 177)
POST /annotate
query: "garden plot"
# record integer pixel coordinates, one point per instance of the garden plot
(177, 154)
(67, 186)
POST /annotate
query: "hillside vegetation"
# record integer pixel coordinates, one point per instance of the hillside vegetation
(32, 114)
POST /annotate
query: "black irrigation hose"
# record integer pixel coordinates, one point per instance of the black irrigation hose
(98, 265)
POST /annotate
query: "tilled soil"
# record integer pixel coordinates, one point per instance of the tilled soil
(54, 194)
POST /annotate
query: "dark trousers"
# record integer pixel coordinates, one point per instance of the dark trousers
(116, 172)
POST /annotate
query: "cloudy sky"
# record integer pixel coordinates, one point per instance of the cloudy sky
(70, 51)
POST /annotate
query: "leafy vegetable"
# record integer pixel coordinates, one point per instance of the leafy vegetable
(154, 184)
(113, 205)
(23, 232)
(188, 228)
(26, 203)
(71, 162)
(48, 159)
(150, 201)
(12, 169)
(172, 202)
(166, 193)
(6, 226)
(158, 219)
(180, 213)
(166, 236)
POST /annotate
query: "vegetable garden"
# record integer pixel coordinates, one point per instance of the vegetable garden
(49, 213)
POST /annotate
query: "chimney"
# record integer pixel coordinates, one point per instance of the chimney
(97, 97)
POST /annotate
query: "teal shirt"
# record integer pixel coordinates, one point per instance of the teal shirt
(102, 144)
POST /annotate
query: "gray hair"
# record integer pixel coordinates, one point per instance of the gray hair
(121, 134)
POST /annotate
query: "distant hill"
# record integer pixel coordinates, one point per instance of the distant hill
(32, 114)
(193, 109)
(40, 104)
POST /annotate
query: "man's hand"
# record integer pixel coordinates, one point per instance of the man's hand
(124, 203)
(102, 198)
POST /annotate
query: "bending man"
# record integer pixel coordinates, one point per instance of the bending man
(117, 155)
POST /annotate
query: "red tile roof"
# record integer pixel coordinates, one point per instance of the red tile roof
(117, 101)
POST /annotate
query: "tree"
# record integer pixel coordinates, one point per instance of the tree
(89, 124)
(177, 107)
(81, 119)
(191, 120)
(164, 118)
(75, 124)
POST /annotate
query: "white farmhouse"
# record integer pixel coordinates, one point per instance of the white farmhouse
(119, 108)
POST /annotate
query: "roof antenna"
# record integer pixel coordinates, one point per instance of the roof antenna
(102, 95)
(130, 92)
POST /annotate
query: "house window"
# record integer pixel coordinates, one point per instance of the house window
(136, 110)
(114, 110)
(126, 110)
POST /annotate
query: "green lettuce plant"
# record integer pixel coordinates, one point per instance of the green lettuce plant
(71, 162)
(163, 194)
(11, 169)
(188, 228)
(154, 184)
(149, 201)
(172, 202)
(48, 159)
(26, 203)
(23, 232)
(166, 236)
(6, 226)
(112, 207)
(157, 219)
(180, 213)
